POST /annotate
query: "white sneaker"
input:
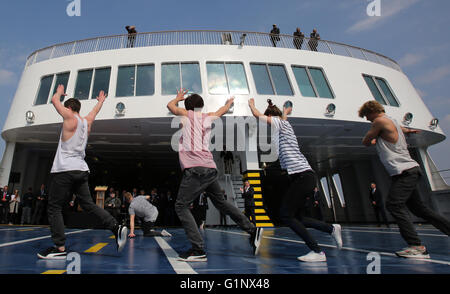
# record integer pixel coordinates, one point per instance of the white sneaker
(313, 257)
(337, 235)
(164, 233)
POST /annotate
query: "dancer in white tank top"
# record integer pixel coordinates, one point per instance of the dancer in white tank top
(70, 174)
(388, 137)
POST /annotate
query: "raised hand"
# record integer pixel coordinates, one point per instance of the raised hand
(251, 102)
(231, 100)
(101, 96)
(180, 94)
(60, 91)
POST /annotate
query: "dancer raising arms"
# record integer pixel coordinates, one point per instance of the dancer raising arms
(70, 174)
(302, 181)
(200, 173)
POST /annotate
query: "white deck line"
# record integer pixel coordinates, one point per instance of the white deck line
(343, 248)
(38, 238)
(180, 267)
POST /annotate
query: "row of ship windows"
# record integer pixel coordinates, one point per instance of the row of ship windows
(222, 78)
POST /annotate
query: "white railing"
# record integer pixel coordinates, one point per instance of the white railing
(206, 38)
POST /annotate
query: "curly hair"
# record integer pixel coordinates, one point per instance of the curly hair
(370, 107)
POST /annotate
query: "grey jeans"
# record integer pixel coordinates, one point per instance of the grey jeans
(195, 181)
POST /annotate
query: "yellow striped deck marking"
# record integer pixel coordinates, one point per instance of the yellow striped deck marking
(257, 189)
(262, 217)
(264, 224)
(112, 237)
(53, 272)
(254, 182)
(258, 203)
(252, 175)
(257, 196)
(260, 211)
(96, 247)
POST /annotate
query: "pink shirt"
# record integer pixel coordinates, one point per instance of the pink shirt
(194, 141)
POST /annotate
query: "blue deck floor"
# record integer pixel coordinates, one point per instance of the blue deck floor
(228, 252)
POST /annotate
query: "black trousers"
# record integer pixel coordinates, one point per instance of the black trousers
(293, 207)
(195, 181)
(403, 195)
(380, 213)
(62, 187)
(250, 213)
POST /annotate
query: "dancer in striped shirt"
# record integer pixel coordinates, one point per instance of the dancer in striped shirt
(302, 181)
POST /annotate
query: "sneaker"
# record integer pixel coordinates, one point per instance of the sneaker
(164, 233)
(121, 237)
(313, 257)
(337, 235)
(419, 252)
(52, 253)
(255, 239)
(193, 255)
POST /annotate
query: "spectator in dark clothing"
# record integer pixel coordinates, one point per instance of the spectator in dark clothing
(169, 216)
(298, 38)
(228, 160)
(377, 203)
(317, 203)
(314, 40)
(40, 205)
(112, 205)
(131, 36)
(4, 205)
(275, 35)
(223, 217)
(249, 202)
(27, 204)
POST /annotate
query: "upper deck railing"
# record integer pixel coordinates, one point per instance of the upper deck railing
(205, 38)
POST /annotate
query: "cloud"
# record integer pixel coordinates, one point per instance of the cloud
(7, 77)
(388, 10)
(434, 75)
(410, 59)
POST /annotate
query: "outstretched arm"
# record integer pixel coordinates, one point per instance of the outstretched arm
(100, 98)
(60, 108)
(131, 234)
(256, 113)
(410, 131)
(224, 109)
(172, 105)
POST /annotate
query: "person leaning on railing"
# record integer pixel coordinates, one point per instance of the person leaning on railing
(313, 41)
(298, 38)
(131, 36)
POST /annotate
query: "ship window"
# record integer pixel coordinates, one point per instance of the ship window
(271, 79)
(101, 81)
(262, 79)
(374, 89)
(180, 75)
(381, 90)
(226, 78)
(320, 82)
(44, 90)
(280, 80)
(303, 81)
(387, 92)
(83, 86)
(61, 79)
(145, 80)
(125, 81)
(312, 82)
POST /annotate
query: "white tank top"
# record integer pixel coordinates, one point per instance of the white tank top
(395, 157)
(70, 154)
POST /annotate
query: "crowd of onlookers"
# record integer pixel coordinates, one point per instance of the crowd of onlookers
(29, 208)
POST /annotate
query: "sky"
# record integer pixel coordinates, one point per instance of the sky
(415, 33)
